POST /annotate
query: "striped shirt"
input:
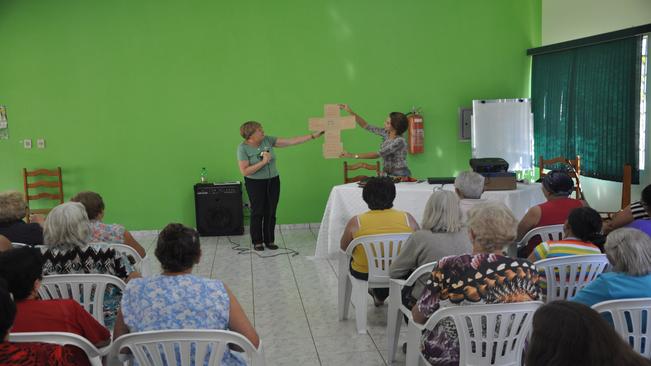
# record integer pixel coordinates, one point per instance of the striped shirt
(638, 211)
(565, 247)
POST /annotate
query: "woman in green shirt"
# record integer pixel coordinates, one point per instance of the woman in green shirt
(257, 161)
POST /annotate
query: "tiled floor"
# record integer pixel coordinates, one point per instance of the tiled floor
(292, 300)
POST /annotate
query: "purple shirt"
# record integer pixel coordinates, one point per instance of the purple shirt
(642, 225)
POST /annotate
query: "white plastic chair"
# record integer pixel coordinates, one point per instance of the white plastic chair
(397, 309)
(488, 334)
(546, 233)
(380, 252)
(565, 276)
(19, 245)
(184, 345)
(87, 289)
(632, 320)
(141, 265)
(62, 338)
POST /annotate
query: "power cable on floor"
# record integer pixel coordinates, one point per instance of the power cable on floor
(246, 250)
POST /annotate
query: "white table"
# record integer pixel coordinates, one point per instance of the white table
(346, 201)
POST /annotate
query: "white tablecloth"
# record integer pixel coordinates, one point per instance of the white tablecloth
(345, 201)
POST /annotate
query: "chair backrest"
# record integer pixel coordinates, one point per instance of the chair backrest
(121, 248)
(489, 334)
(61, 338)
(87, 289)
(34, 183)
(546, 233)
(348, 167)
(175, 346)
(627, 180)
(380, 252)
(565, 276)
(573, 167)
(415, 275)
(632, 320)
(19, 245)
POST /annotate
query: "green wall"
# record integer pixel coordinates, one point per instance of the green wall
(134, 97)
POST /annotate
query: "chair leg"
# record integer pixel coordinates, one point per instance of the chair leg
(345, 289)
(393, 320)
(413, 345)
(360, 302)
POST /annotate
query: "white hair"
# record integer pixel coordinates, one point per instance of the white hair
(67, 226)
(469, 184)
(629, 251)
(442, 213)
(492, 224)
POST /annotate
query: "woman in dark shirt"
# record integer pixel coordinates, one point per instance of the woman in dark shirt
(12, 212)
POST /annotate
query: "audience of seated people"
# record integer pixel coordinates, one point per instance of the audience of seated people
(483, 277)
(101, 232)
(632, 212)
(442, 234)
(22, 268)
(13, 210)
(629, 254)
(581, 236)
(66, 235)
(572, 334)
(378, 193)
(469, 186)
(177, 299)
(29, 353)
(557, 186)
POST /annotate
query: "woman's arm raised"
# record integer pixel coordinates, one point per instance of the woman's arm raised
(283, 142)
(360, 121)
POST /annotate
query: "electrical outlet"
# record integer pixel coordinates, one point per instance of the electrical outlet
(40, 143)
(27, 143)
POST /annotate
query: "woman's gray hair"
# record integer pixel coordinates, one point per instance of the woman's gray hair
(629, 251)
(67, 226)
(470, 184)
(12, 206)
(442, 213)
(492, 225)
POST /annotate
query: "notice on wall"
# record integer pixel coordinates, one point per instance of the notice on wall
(4, 124)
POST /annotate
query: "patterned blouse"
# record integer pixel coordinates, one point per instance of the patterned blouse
(392, 151)
(92, 259)
(466, 280)
(106, 233)
(178, 302)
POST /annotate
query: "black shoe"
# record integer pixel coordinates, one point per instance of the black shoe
(271, 246)
(258, 247)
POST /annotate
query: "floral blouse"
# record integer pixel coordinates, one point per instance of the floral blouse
(106, 233)
(392, 151)
(466, 280)
(178, 302)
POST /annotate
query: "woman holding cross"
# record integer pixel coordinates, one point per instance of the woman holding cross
(257, 162)
(393, 149)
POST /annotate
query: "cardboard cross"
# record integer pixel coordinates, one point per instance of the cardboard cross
(332, 123)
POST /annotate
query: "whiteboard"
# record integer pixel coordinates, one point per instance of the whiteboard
(503, 128)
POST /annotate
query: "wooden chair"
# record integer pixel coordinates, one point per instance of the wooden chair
(357, 178)
(573, 167)
(34, 188)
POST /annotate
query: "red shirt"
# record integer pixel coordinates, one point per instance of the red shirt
(64, 315)
(38, 354)
(556, 211)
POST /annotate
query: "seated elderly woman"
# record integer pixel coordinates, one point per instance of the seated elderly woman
(22, 269)
(557, 186)
(29, 353)
(378, 193)
(469, 186)
(629, 253)
(570, 334)
(101, 232)
(12, 212)
(484, 277)
(162, 302)
(633, 212)
(442, 235)
(66, 235)
(581, 236)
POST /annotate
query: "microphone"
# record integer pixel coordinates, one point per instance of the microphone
(266, 149)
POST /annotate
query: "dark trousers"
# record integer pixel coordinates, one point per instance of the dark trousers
(263, 195)
(380, 293)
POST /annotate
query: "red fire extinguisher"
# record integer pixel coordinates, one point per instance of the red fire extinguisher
(416, 132)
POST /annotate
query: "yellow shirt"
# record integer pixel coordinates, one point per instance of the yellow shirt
(376, 222)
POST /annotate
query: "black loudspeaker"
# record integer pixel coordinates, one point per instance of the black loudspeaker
(218, 208)
(489, 165)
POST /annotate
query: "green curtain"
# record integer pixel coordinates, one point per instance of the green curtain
(586, 102)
